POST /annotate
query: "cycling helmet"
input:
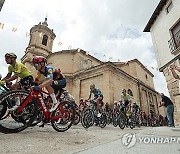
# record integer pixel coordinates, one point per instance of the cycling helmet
(81, 99)
(39, 59)
(92, 86)
(124, 90)
(11, 55)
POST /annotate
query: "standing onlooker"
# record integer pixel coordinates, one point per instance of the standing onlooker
(168, 104)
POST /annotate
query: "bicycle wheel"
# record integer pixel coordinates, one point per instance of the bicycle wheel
(115, 121)
(132, 122)
(77, 118)
(87, 119)
(122, 120)
(16, 122)
(63, 124)
(102, 120)
(109, 120)
(3, 109)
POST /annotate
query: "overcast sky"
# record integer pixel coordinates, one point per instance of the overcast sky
(102, 27)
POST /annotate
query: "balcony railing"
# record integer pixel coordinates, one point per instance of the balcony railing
(174, 42)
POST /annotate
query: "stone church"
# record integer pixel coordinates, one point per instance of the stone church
(81, 70)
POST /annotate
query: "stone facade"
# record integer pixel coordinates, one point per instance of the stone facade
(81, 70)
(164, 26)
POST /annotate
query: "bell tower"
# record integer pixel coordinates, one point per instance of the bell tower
(40, 43)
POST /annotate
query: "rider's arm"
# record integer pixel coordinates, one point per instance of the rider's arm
(7, 76)
(17, 71)
(90, 94)
(49, 78)
(38, 76)
(46, 83)
(15, 76)
(122, 98)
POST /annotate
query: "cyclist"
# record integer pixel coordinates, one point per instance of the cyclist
(19, 70)
(54, 79)
(82, 104)
(116, 107)
(98, 96)
(135, 108)
(107, 107)
(125, 97)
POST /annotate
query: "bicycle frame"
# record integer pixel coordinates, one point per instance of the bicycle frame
(46, 113)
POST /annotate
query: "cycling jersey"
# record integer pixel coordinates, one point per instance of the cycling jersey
(125, 97)
(20, 69)
(51, 73)
(96, 93)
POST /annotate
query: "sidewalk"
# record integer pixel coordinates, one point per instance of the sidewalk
(177, 128)
(142, 146)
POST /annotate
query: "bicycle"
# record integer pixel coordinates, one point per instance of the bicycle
(89, 117)
(61, 119)
(126, 119)
(3, 106)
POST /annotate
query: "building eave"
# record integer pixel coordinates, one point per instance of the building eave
(155, 15)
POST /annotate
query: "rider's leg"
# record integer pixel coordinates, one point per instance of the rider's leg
(17, 99)
(53, 96)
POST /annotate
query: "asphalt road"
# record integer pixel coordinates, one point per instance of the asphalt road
(95, 140)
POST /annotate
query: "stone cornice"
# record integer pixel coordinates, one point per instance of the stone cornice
(109, 66)
(75, 51)
(39, 28)
(33, 47)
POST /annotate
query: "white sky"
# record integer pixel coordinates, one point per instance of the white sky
(110, 27)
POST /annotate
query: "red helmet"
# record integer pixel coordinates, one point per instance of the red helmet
(38, 59)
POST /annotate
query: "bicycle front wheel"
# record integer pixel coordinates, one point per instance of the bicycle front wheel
(64, 123)
(16, 122)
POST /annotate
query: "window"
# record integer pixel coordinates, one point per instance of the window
(146, 76)
(174, 42)
(169, 7)
(44, 41)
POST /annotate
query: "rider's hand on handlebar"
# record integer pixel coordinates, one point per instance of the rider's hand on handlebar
(35, 88)
(2, 82)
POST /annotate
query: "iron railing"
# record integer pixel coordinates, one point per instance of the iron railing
(174, 42)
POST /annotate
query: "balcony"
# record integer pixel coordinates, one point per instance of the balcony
(174, 43)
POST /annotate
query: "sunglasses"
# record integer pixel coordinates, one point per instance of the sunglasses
(36, 64)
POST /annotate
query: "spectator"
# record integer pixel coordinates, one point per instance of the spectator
(168, 104)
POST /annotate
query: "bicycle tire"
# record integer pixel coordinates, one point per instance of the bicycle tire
(3, 109)
(122, 121)
(102, 120)
(28, 114)
(87, 119)
(65, 123)
(77, 118)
